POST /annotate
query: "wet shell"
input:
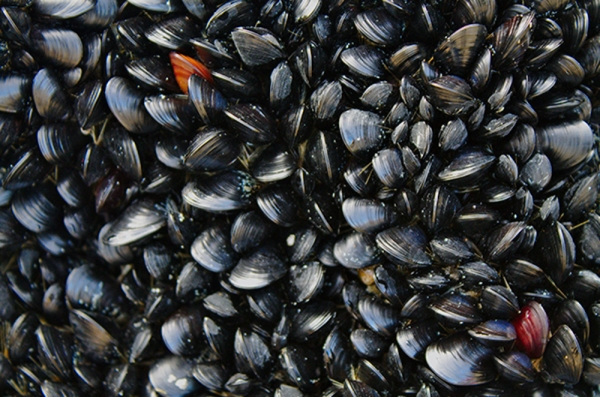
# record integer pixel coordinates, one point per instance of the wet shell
(566, 144)
(257, 270)
(460, 361)
(127, 105)
(223, 192)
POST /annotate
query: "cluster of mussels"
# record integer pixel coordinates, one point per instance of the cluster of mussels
(349, 198)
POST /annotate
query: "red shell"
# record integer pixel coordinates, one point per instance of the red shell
(184, 67)
(532, 326)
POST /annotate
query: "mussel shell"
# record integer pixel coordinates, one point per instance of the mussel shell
(227, 191)
(451, 95)
(212, 250)
(456, 308)
(414, 339)
(363, 61)
(555, 244)
(325, 102)
(504, 240)
(274, 164)
(278, 204)
(209, 102)
(511, 39)
(467, 167)
(94, 291)
(213, 149)
(572, 313)
(252, 355)
(458, 51)
(252, 122)
(310, 61)
(368, 344)
(532, 327)
(325, 156)
(93, 336)
(494, 333)
(153, 72)
(173, 112)
(37, 209)
(162, 6)
(101, 15)
(55, 350)
(337, 355)
(211, 375)
(378, 316)
(50, 99)
(368, 215)
(256, 46)
(354, 388)
(404, 246)
(172, 376)
(172, 33)
(566, 69)
(438, 208)
(388, 167)
(474, 11)
(62, 47)
(355, 251)
(515, 366)
(301, 367)
(182, 333)
(563, 358)
(238, 83)
(566, 144)
(90, 105)
(499, 302)
(58, 142)
(361, 132)
(127, 105)
(407, 59)
(460, 361)
(258, 270)
(123, 151)
(62, 10)
(14, 92)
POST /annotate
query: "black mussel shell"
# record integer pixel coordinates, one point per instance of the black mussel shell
(368, 215)
(228, 191)
(566, 144)
(173, 375)
(355, 251)
(364, 61)
(252, 355)
(563, 358)
(207, 100)
(256, 46)
(361, 132)
(213, 149)
(252, 122)
(141, 219)
(460, 361)
(404, 246)
(258, 269)
(62, 47)
(50, 99)
(515, 366)
(127, 104)
(37, 209)
(212, 250)
(154, 72)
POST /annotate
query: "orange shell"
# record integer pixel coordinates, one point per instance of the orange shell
(184, 67)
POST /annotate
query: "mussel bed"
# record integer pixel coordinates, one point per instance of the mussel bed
(350, 198)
